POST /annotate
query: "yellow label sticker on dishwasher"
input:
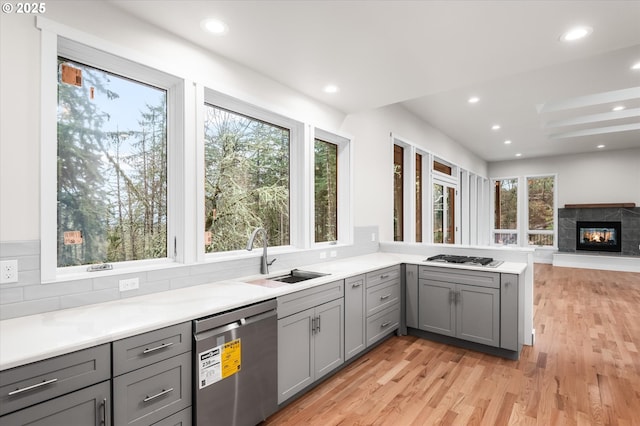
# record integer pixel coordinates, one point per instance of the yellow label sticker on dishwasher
(231, 358)
(218, 363)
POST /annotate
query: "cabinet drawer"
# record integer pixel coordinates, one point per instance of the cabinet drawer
(33, 383)
(144, 349)
(459, 276)
(382, 275)
(304, 299)
(382, 323)
(182, 418)
(88, 406)
(382, 296)
(152, 393)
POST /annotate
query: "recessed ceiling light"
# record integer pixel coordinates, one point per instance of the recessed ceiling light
(507, 142)
(576, 33)
(473, 100)
(495, 127)
(519, 154)
(635, 66)
(617, 108)
(600, 146)
(214, 26)
(331, 88)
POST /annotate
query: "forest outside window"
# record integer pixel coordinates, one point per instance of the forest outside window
(247, 183)
(325, 191)
(505, 230)
(112, 167)
(541, 210)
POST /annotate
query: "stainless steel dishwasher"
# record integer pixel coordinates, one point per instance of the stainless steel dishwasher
(235, 366)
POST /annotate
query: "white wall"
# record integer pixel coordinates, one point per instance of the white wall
(373, 176)
(597, 177)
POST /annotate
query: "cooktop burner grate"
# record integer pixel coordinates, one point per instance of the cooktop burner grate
(449, 258)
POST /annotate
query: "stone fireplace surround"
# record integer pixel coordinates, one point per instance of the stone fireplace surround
(628, 216)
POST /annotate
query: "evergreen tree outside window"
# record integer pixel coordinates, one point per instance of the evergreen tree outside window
(111, 167)
(325, 191)
(541, 210)
(246, 180)
(505, 230)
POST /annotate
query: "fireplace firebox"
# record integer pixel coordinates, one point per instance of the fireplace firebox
(599, 236)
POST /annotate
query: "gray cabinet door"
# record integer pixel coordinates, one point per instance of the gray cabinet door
(295, 353)
(411, 298)
(437, 307)
(328, 339)
(509, 304)
(478, 314)
(354, 316)
(88, 406)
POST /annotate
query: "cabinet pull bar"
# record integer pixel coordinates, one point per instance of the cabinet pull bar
(385, 324)
(313, 325)
(157, 348)
(318, 323)
(385, 297)
(383, 276)
(37, 385)
(164, 392)
(103, 415)
(354, 285)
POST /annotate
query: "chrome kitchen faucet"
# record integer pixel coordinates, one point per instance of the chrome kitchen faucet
(264, 265)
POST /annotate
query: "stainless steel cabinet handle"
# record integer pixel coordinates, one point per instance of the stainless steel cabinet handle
(158, 395)
(385, 297)
(103, 415)
(313, 325)
(157, 348)
(383, 276)
(358, 284)
(318, 323)
(37, 385)
(385, 324)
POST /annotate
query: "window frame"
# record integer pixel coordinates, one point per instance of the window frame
(519, 207)
(554, 232)
(59, 40)
(297, 152)
(344, 188)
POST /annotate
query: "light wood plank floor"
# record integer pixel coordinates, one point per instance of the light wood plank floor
(584, 368)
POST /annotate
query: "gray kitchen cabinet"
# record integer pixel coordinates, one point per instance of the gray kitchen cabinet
(461, 304)
(511, 309)
(88, 406)
(411, 295)
(383, 296)
(152, 376)
(311, 341)
(354, 316)
(69, 389)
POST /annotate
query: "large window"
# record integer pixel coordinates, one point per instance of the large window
(419, 188)
(505, 228)
(246, 180)
(112, 167)
(541, 210)
(325, 191)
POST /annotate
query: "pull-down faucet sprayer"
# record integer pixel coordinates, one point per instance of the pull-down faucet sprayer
(264, 264)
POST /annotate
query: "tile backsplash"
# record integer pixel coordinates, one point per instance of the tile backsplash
(29, 296)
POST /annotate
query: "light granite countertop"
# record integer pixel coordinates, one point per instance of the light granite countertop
(36, 337)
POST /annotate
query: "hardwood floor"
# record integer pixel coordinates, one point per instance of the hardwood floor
(584, 368)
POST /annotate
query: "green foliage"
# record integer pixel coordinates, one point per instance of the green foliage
(326, 191)
(246, 180)
(111, 183)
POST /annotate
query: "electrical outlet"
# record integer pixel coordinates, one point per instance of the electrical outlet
(129, 284)
(8, 271)
(333, 253)
(323, 255)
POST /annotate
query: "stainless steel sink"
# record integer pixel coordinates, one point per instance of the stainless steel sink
(296, 276)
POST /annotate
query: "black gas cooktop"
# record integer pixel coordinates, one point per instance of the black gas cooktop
(465, 260)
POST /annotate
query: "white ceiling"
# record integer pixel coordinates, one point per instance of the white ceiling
(549, 97)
